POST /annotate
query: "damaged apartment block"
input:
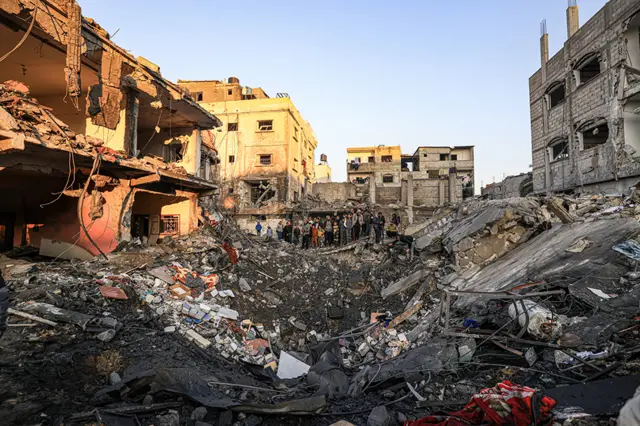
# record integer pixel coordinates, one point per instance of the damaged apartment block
(96, 147)
(265, 146)
(585, 104)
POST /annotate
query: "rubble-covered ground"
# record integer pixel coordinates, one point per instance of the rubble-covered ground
(543, 293)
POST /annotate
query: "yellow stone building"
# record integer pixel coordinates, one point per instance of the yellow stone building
(266, 149)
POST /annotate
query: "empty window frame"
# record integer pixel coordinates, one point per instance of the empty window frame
(386, 158)
(295, 133)
(265, 125)
(594, 136)
(265, 159)
(232, 159)
(197, 96)
(232, 127)
(387, 179)
(454, 157)
(587, 69)
(172, 152)
(230, 92)
(434, 174)
(371, 159)
(444, 157)
(555, 94)
(559, 150)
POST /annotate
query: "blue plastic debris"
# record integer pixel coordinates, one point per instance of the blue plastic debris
(630, 248)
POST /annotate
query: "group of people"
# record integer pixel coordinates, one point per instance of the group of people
(334, 231)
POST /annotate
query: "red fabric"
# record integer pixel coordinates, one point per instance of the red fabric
(502, 405)
(233, 255)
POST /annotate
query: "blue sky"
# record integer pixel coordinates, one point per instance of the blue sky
(365, 72)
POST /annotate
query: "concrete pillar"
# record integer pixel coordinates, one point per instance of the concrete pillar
(410, 190)
(544, 52)
(372, 189)
(441, 193)
(403, 192)
(547, 169)
(191, 158)
(573, 19)
(453, 183)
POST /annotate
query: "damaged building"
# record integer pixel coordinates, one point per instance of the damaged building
(432, 176)
(266, 149)
(512, 186)
(585, 122)
(96, 147)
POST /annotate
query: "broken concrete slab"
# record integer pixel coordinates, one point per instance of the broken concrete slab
(403, 284)
(62, 250)
(544, 256)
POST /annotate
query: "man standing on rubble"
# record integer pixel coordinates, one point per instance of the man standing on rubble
(356, 226)
(279, 230)
(348, 224)
(306, 234)
(328, 232)
(366, 218)
(4, 305)
(377, 228)
(258, 229)
(296, 235)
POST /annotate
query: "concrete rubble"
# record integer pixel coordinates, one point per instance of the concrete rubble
(502, 289)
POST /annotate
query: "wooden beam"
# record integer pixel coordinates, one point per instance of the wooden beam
(145, 180)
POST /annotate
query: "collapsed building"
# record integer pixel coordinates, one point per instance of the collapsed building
(431, 177)
(96, 147)
(265, 146)
(585, 122)
(512, 186)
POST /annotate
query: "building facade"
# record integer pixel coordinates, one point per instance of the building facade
(585, 116)
(265, 146)
(96, 147)
(432, 176)
(322, 170)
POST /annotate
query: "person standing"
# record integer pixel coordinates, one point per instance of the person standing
(296, 235)
(279, 230)
(314, 235)
(306, 235)
(336, 232)
(375, 222)
(328, 232)
(366, 219)
(349, 226)
(356, 226)
(258, 229)
(269, 234)
(343, 229)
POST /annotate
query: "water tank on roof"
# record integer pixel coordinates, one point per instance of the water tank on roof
(323, 157)
(232, 80)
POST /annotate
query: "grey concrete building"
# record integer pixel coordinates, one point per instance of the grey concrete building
(512, 186)
(585, 104)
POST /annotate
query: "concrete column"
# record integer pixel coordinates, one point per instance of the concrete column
(453, 183)
(573, 21)
(544, 53)
(410, 190)
(441, 193)
(372, 189)
(547, 169)
(191, 159)
(403, 192)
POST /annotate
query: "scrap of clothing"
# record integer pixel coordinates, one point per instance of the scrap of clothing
(503, 404)
(188, 277)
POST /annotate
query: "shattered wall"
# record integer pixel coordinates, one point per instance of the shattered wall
(601, 99)
(332, 192)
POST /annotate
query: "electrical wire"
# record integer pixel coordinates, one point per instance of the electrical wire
(26, 34)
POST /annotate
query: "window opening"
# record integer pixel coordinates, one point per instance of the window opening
(387, 179)
(232, 127)
(265, 125)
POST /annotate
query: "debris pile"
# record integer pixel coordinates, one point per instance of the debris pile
(221, 327)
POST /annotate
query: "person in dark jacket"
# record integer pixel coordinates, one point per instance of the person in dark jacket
(4, 305)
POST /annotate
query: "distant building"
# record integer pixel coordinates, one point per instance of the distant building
(585, 115)
(265, 146)
(322, 171)
(432, 176)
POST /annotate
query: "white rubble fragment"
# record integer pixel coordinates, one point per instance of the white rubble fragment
(200, 341)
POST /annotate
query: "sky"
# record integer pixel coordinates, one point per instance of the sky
(365, 72)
